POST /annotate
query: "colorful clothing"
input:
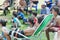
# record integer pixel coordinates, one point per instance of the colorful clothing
(17, 21)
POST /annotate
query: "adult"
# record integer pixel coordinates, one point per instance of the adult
(44, 9)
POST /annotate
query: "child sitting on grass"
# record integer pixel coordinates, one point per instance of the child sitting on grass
(30, 30)
(16, 20)
(20, 14)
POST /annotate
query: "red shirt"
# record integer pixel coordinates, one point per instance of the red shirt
(35, 20)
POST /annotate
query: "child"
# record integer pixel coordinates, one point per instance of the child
(49, 4)
(21, 16)
(27, 32)
(35, 18)
(14, 26)
(44, 10)
(16, 20)
(6, 5)
(4, 30)
(55, 11)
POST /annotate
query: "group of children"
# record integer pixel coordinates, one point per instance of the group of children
(33, 22)
(18, 15)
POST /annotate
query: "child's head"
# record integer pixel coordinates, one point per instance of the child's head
(55, 11)
(34, 14)
(3, 22)
(40, 19)
(43, 5)
(31, 21)
(14, 14)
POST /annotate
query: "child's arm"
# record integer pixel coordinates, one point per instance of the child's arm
(5, 31)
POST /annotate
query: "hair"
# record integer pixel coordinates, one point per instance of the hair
(31, 20)
(35, 14)
(20, 10)
(56, 9)
(15, 14)
(3, 22)
(40, 19)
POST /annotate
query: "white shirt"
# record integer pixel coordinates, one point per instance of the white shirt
(4, 29)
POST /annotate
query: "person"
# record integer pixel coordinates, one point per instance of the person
(6, 5)
(55, 24)
(14, 26)
(4, 30)
(20, 14)
(44, 10)
(22, 4)
(35, 17)
(57, 3)
(15, 19)
(32, 3)
(30, 30)
(48, 3)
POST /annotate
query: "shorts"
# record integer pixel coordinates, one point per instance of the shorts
(16, 34)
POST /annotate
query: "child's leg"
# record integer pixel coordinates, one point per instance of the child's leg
(7, 36)
(52, 29)
(47, 35)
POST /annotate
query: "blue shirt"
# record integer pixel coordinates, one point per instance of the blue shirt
(17, 21)
(21, 15)
(45, 10)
